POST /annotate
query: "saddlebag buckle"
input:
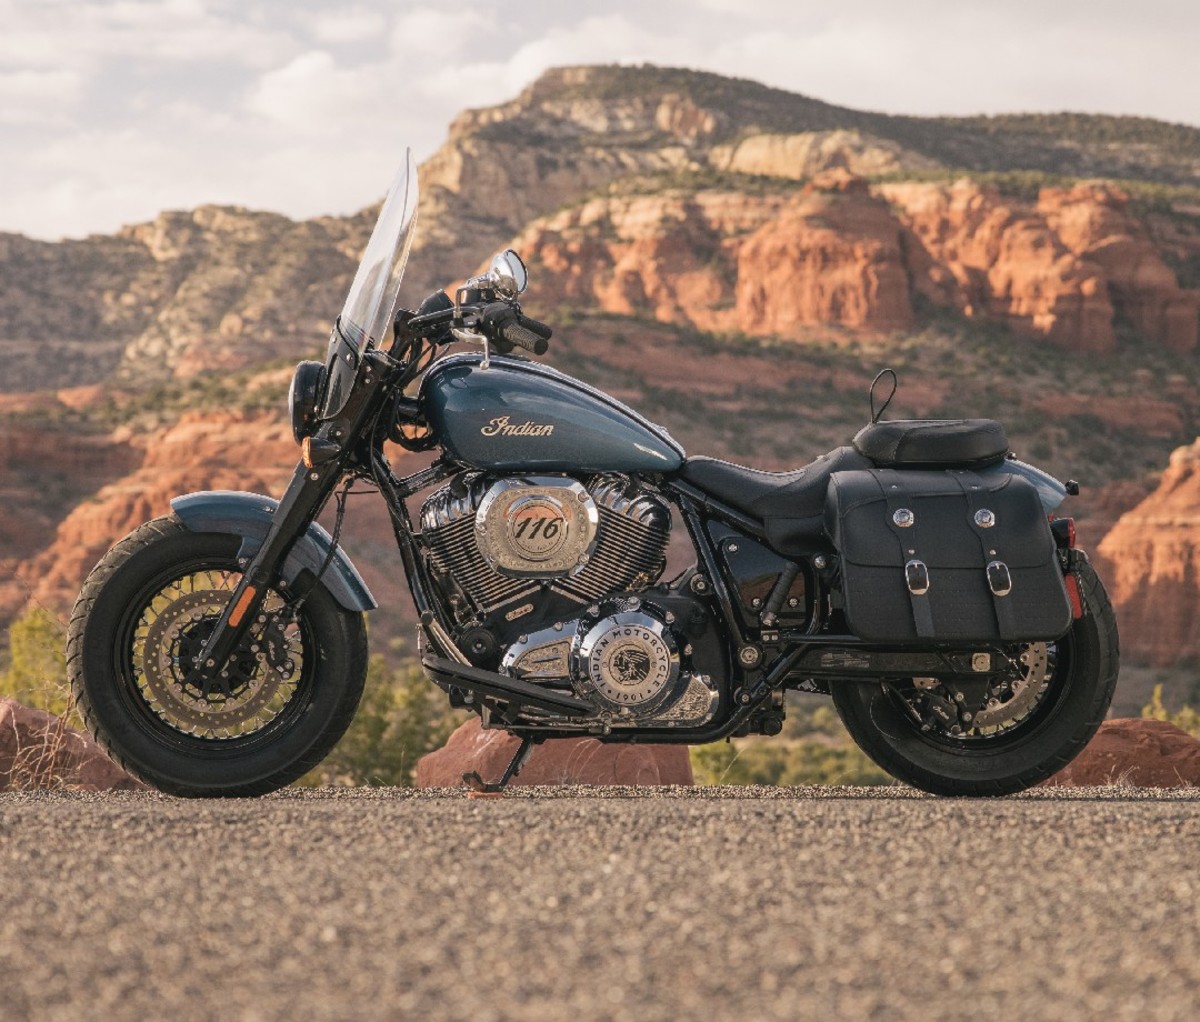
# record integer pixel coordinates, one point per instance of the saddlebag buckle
(999, 578)
(916, 576)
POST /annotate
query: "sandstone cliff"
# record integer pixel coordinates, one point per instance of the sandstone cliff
(1152, 556)
(1070, 269)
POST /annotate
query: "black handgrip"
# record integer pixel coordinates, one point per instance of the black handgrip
(503, 322)
(517, 335)
(533, 325)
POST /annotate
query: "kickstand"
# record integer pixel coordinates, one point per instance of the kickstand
(480, 787)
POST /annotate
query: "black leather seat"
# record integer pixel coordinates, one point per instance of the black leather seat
(791, 505)
(932, 442)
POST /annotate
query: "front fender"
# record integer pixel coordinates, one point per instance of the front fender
(249, 516)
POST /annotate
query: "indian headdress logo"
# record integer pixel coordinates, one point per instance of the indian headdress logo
(502, 427)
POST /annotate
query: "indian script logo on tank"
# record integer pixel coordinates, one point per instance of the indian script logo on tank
(502, 427)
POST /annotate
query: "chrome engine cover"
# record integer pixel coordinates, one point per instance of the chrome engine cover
(615, 539)
(627, 661)
(623, 657)
(535, 527)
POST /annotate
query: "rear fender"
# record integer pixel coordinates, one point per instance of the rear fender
(1049, 490)
(249, 516)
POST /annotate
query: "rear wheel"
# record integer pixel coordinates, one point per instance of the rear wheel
(1020, 732)
(142, 618)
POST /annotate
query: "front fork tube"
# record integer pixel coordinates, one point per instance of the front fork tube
(306, 494)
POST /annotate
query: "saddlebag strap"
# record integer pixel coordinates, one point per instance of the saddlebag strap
(985, 523)
(902, 522)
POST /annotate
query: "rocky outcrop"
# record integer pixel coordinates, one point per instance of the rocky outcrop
(1153, 553)
(993, 258)
(844, 253)
(802, 156)
(1137, 752)
(560, 761)
(220, 288)
(1093, 221)
(38, 750)
(717, 260)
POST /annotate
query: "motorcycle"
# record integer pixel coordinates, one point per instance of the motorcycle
(919, 576)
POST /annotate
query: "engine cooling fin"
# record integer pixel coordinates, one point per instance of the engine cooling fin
(629, 552)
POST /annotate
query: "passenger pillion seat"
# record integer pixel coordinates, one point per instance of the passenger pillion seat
(933, 443)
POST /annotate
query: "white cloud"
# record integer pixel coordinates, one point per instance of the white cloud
(348, 25)
(91, 32)
(36, 96)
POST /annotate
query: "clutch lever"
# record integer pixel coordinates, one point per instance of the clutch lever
(469, 335)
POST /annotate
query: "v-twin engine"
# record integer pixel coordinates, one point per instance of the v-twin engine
(510, 541)
(547, 578)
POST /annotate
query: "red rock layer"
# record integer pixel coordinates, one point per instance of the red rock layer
(203, 451)
(1152, 556)
(1071, 268)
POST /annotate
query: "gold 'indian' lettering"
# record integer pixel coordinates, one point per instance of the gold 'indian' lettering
(502, 427)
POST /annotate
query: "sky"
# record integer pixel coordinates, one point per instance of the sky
(112, 110)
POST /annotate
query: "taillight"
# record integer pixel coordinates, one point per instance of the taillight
(1064, 533)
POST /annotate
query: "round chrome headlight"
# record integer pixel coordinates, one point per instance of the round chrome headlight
(302, 398)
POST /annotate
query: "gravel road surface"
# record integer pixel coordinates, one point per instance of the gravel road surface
(601, 903)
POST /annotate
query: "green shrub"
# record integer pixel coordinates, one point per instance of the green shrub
(1186, 718)
(401, 717)
(37, 669)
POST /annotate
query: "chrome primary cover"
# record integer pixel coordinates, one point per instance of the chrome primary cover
(537, 527)
(630, 660)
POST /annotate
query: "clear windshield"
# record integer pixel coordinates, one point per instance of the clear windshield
(371, 303)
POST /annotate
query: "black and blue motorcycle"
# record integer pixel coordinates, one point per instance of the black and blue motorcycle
(919, 576)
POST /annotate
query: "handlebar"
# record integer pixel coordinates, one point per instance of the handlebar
(502, 321)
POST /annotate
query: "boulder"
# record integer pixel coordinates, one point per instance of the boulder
(1134, 751)
(38, 750)
(559, 761)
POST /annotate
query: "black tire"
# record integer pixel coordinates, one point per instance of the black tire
(161, 732)
(1065, 719)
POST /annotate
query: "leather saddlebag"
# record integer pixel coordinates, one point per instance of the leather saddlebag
(945, 556)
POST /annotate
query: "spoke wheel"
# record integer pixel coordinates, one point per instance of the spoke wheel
(945, 711)
(141, 621)
(168, 637)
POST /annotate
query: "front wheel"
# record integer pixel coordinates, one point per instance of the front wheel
(1021, 732)
(142, 617)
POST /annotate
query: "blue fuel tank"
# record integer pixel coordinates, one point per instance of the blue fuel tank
(518, 416)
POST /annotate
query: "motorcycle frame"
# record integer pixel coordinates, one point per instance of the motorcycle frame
(351, 443)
